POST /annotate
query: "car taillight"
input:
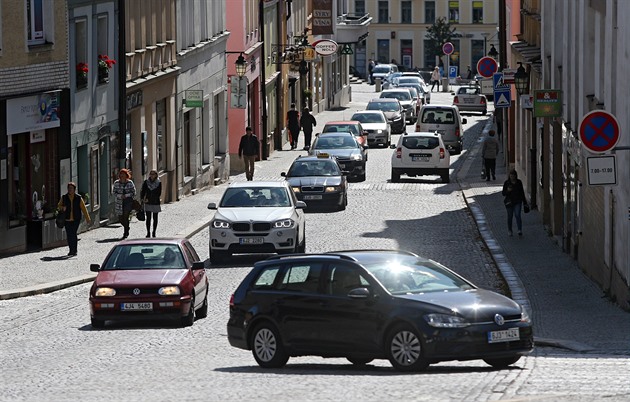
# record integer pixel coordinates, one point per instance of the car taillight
(442, 154)
(399, 153)
(457, 132)
(232, 300)
(483, 101)
(456, 100)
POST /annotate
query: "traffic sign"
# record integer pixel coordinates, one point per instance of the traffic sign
(498, 83)
(486, 66)
(502, 98)
(601, 170)
(599, 131)
(448, 48)
(452, 72)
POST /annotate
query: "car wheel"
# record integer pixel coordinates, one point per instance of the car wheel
(189, 318)
(302, 247)
(404, 349)
(485, 112)
(344, 202)
(267, 347)
(202, 312)
(395, 176)
(97, 324)
(359, 361)
(445, 176)
(502, 363)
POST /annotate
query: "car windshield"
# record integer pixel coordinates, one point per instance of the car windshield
(335, 142)
(245, 197)
(438, 116)
(381, 69)
(369, 117)
(145, 256)
(342, 128)
(384, 106)
(409, 275)
(400, 95)
(409, 80)
(314, 168)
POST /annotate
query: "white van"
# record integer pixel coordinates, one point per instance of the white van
(446, 120)
(383, 70)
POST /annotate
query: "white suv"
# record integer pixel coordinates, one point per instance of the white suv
(257, 217)
(420, 154)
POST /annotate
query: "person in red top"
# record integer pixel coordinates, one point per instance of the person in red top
(73, 206)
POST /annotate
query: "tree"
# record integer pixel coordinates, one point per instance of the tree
(438, 34)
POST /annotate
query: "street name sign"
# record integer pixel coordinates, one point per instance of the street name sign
(599, 131)
(602, 170)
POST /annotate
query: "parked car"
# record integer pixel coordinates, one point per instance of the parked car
(383, 70)
(373, 304)
(470, 99)
(446, 120)
(351, 155)
(319, 181)
(390, 80)
(350, 126)
(420, 154)
(376, 125)
(393, 111)
(414, 74)
(407, 81)
(257, 217)
(149, 279)
(407, 101)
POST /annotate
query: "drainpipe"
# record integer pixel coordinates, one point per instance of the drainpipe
(122, 81)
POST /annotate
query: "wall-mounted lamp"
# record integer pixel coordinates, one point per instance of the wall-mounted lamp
(521, 80)
(241, 65)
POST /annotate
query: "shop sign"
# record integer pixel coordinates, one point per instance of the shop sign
(548, 103)
(38, 136)
(32, 113)
(325, 47)
(322, 17)
(193, 98)
(134, 100)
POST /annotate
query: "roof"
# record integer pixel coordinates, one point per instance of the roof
(384, 100)
(247, 184)
(158, 240)
(331, 123)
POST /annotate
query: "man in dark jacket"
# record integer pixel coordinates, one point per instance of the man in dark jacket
(293, 124)
(307, 121)
(249, 150)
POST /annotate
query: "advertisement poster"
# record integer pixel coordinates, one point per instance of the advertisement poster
(32, 113)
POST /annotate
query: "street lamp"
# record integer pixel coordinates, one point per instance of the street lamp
(521, 80)
(241, 65)
(493, 52)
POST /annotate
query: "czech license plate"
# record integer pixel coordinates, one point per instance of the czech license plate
(136, 306)
(469, 100)
(312, 197)
(507, 335)
(420, 158)
(251, 240)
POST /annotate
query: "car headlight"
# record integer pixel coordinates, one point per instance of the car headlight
(524, 316)
(332, 189)
(379, 131)
(445, 321)
(356, 157)
(105, 292)
(169, 291)
(296, 189)
(397, 117)
(218, 224)
(284, 223)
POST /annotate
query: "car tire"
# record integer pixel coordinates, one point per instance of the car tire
(97, 324)
(359, 361)
(189, 318)
(302, 247)
(445, 176)
(267, 346)
(503, 362)
(202, 312)
(405, 350)
(395, 176)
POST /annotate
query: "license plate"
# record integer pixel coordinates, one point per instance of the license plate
(469, 100)
(507, 335)
(312, 197)
(136, 306)
(420, 158)
(251, 240)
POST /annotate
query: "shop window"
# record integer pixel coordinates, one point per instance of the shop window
(406, 53)
(92, 197)
(405, 11)
(453, 12)
(429, 12)
(383, 12)
(186, 145)
(359, 7)
(80, 53)
(383, 51)
(429, 59)
(477, 12)
(477, 52)
(160, 140)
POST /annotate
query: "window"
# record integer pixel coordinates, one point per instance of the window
(80, 53)
(341, 279)
(476, 53)
(160, 125)
(93, 196)
(477, 12)
(429, 12)
(359, 7)
(382, 51)
(266, 278)
(405, 12)
(453, 12)
(302, 278)
(35, 21)
(102, 48)
(383, 12)
(429, 59)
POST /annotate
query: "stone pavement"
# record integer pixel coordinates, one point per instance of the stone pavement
(568, 309)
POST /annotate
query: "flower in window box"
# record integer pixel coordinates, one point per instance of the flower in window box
(82, 72)
(104, 65)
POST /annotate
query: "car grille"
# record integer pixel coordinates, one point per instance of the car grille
(312, 189)
(143, 291)
(248, 227)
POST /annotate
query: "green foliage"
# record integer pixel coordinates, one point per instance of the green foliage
(438, 34)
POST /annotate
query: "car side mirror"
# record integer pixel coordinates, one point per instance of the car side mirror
(464, 121)
(283, 174)
(95, 267)
(300, 205)
(359, 293)
(212, 205)
(198, 265)
(393, 146)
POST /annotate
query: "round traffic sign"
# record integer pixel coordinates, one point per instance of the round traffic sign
(448, 48)
(599, 131)
(487, 66)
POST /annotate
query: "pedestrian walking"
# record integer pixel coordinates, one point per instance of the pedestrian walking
(498, 121)
(124, 190)
(249, 150)
(307, 121)
(435, 78)
(514, 194)
(469, 74)
(73, 206)
(489, 152)
(371, 65)
(150, 194)
(293, 123)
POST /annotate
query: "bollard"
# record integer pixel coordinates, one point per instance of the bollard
(445, 85)
(377, 84)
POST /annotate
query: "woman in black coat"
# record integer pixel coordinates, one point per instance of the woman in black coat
(150, 194)
(514, 194)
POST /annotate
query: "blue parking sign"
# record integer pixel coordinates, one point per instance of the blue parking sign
(452, 72)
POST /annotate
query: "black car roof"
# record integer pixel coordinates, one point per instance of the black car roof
(348, 255)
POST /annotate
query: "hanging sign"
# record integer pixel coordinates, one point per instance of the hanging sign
(193, 98)
(325, 47)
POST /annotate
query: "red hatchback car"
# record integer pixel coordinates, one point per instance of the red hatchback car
(149, 279)
(350, 126)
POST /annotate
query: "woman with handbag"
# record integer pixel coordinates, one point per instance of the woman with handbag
(150, 195)
(514, 194)
(124, 190)
(73, 208)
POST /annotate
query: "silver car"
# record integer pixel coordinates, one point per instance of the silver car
(407, 101)
(377, 126)
(257, 217)
(470, 99)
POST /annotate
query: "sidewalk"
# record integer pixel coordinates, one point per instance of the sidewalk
(567, 308)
